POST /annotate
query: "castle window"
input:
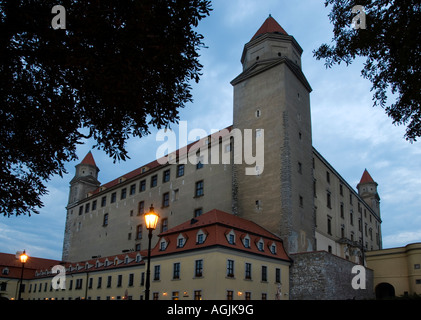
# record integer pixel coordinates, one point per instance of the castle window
(198, 270)
(132, 189)
(113, 197)
(329, 225)
(166, 176)
(154, 181)
(180, 241)
(231, 237)
(327, 176)
(230, 268)
(176, 270)
(162, 245)
(94, 205)
(328, 200)
(198, 212)
(180, 170)
(157, 273)
(166, 199)
(200, 237)
(123, 193)
(142, 185)
(199, 189)
(103, 201)
(164, 225)
(199, 164)
(247, 274)
(105, 221)
(264, 273)
(258, 113)
(141, 208)
(80, 210)
(273, 248)
(139, 232)
(260, 245)
(278, 275)
(246, 241)
(301, 201)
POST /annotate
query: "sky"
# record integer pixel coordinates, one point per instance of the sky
(347, 130)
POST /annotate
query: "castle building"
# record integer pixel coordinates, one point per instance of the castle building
(252, 211)
(295, 193)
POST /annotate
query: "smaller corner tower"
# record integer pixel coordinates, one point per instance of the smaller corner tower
(85, 179)
(367, 189)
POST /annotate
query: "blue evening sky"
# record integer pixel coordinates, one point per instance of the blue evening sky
(349, 133)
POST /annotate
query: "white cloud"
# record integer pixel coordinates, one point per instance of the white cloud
(401, 238)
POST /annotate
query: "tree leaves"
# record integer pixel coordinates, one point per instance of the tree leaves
(115, 65)
(391, 44)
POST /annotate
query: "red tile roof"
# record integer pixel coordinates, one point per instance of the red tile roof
(269, 26)
(216, 225)
(89, 159)
(366, 178)
(157, 163)
(15, 266)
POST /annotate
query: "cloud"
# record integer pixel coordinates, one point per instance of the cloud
(401, 238)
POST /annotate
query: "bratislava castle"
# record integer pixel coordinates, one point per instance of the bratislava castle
(298, 196)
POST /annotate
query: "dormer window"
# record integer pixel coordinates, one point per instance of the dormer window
(260, 245)
(163, 245)
(138, 258)
(273, 248)
(231, 237)
(200, 237)
(246, 241)
(181, 241)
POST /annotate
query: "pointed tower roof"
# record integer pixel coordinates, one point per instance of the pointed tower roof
(89, 159)
(366, 178)
(269, 26)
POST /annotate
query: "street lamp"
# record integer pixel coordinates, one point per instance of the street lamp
(151, 220)
(23, 258)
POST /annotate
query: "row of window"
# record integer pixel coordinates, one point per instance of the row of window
(175, 295)
(166, 176)
(176, 275)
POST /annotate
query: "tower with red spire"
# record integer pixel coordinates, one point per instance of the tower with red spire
(272, 96)
(85, 179)
(367, 189)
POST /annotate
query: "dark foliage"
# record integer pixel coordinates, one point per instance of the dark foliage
(391, 44)
(117, 69)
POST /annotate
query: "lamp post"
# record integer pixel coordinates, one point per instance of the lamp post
(151, 220)
(23, 258)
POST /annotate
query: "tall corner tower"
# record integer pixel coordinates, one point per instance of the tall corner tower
(272, 97)
(85, 179)
(367, 189)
